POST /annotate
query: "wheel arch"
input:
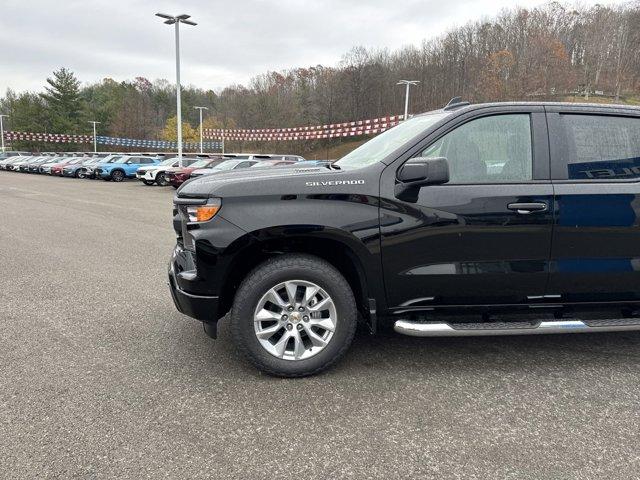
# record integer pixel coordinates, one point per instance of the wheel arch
(338, 247)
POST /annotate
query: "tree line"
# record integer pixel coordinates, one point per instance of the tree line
(556, 51)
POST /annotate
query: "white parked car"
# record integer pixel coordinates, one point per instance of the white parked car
(156, 173)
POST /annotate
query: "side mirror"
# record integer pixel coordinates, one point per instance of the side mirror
(424, 171)
(420, 172)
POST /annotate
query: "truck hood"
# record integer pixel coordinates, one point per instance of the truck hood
(280, 181)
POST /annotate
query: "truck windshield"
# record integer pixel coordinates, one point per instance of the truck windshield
(376, 149)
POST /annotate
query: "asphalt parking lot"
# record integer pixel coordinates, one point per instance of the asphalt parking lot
(101, 377)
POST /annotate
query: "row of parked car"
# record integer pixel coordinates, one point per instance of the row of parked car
(169, 171)
(159, 169)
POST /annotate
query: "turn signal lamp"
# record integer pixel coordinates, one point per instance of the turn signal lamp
(203, 213)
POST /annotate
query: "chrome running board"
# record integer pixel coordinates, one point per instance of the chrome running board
(438, 329)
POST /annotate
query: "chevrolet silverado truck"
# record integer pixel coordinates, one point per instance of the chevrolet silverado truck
(492, 219)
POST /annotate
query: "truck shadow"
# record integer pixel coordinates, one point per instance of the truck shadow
(389, 353)
(389, 350)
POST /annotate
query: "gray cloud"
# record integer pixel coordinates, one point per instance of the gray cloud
(234, 40)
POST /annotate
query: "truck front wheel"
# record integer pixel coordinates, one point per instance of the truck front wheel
(294, 315)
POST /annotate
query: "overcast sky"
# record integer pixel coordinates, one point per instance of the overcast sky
(234, 39)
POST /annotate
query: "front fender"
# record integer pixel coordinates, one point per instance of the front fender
(345, 217)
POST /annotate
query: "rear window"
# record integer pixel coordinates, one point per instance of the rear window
(599, 147)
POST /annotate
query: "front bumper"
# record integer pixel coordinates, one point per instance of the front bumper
(145, 176)
(174, 180)
(181, 273)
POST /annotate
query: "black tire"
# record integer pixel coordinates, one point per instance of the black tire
(117, 176)
(78, 173)
(148, 182)
(161, 180)
(266, 276)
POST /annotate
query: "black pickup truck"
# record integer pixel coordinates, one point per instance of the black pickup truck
(440, 226)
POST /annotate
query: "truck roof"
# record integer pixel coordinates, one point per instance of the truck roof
(465, 107)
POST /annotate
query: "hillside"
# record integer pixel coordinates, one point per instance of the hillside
(547, 52)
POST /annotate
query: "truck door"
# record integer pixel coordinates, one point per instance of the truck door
(595, 155)
(485, 236)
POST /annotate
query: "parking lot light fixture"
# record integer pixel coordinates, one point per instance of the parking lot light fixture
(177, 20)
(408, 83)
(95, 144)
(201, 109)
(2, 130)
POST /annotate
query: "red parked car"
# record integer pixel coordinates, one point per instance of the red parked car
(56, 168)
(176, 176)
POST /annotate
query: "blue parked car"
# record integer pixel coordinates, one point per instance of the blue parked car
(125, 167)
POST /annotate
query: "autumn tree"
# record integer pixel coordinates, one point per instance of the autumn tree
(170, 131)
(497, 74)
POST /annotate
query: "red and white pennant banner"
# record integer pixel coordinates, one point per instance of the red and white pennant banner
(316, 132)
(48, 137)
(334, 130)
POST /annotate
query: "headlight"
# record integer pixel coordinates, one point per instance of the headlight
(204, 213)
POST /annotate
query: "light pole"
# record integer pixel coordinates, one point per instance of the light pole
(201, 109)
(2, 130)
(177, 20)
(408, 83)
(95, 144)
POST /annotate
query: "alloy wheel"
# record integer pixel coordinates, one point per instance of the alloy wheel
(161, 180)
(295, 320)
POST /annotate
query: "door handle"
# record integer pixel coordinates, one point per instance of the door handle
(527, 208)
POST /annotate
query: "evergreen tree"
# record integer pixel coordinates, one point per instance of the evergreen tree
(64, 101)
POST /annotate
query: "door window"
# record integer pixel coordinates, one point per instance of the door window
(495, 149)
(598, 147)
